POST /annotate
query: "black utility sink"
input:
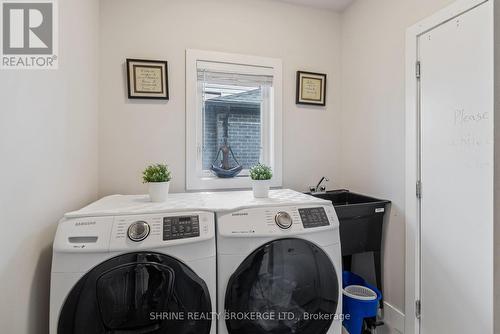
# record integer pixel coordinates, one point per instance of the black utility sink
(361, 220)
(345, 197)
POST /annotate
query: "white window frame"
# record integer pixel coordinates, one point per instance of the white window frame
(272, 130)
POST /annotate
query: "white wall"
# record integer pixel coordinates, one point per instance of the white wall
(135, 133)
(48, 163)
(496, 306)
(373, 106)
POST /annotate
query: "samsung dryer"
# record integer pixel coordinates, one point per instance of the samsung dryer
(153, 271)
(279, 266)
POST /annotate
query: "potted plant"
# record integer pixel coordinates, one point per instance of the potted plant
(158, 177)
(261, 180)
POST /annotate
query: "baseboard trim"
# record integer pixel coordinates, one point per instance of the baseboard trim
(394, 318)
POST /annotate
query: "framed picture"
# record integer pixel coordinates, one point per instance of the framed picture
(311, 88)
(147, 79)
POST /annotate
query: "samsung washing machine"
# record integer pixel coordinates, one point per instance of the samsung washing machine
(279, 266)
(124, 265)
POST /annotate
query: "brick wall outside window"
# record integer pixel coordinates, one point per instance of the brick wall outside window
(244, 132)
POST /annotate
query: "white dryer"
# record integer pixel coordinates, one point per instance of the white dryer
(279, 266)
(124, 265)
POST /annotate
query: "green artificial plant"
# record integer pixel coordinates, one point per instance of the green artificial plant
(156, 173)
(261, 172)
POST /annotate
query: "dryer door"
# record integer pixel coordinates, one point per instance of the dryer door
(135, 294)
(285, 286)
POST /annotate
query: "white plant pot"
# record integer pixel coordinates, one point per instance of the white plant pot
(261, 188)
(158, 191)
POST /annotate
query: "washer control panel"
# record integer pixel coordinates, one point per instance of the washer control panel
(313, 217)
(164, 230)
(134, 232)
(181, 227)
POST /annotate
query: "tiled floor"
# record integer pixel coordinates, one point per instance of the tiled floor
(383, 330)
(386, 330)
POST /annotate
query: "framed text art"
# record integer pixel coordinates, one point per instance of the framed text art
(311, 88)
(147, 79)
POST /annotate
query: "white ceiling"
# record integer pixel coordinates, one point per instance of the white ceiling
(336, 5)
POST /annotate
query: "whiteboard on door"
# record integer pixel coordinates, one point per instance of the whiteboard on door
(456, 171)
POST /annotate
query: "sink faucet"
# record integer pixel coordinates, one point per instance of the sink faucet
(320, 188)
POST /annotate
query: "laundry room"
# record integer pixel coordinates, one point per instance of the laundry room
(249, 166)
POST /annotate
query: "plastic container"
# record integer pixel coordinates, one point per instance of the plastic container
(356, 309)
(158, 191)
(261, 188)
(359, 292)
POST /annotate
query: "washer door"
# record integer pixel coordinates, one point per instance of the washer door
(135, 294)
(285, 286)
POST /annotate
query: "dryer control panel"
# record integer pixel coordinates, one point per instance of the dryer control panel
(278, 221)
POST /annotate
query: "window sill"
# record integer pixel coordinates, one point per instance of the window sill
(215, 183)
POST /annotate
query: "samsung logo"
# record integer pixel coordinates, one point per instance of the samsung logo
(84, 223)
(240, 214)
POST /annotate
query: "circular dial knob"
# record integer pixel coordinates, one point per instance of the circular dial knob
(138, 231)
(283, 220)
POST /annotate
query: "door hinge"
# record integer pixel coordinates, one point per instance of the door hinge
(418, 309)
(418, 69)
(419, 189)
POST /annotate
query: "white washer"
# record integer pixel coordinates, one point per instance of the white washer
(279, 266)
(125, 265)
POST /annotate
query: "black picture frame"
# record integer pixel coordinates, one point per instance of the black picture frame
(300, 96)
(132, 84)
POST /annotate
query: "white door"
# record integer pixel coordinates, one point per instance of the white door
(456, 171)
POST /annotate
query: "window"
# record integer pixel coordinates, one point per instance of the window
(233, 121)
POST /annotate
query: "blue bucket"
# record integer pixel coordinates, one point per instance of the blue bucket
(355, 310)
